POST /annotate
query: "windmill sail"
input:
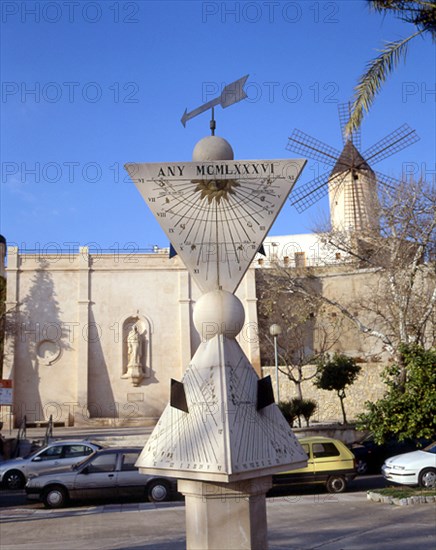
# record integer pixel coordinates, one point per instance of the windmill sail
(397, 140)
(308, 146)
(352, 184)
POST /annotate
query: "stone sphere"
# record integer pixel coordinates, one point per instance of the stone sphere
(212, 148)
(218, 312)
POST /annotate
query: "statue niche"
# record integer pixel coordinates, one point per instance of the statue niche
(134, 343)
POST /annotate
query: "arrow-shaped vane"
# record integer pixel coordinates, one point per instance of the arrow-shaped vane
(232, 93)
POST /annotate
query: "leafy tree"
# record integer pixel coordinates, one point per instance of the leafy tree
(336, 374)
(307, 334)
(407, 410)
(397, 307)
(396, 298)
(421, 14)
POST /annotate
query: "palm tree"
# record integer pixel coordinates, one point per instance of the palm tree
(420, 13)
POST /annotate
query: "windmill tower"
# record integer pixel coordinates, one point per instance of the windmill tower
(351, 182)
(354, 204)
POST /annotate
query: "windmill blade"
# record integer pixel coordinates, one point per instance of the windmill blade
(396, 141)
(308, 194)
(387, 181)
(344, 111)
(307, 146)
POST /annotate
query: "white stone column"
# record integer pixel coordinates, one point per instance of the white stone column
(11, 306)
(185, 304)
(80, 414)
(226, 515)
(249, 334)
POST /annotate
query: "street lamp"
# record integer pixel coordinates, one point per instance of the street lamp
(275, 330)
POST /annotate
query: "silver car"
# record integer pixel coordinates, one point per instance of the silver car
(59, 454)
(108, 473)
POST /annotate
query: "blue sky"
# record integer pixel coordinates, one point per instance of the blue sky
(88, 86)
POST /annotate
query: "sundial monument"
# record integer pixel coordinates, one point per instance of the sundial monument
(221, 435)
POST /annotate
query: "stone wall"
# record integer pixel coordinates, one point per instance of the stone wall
(67, 346)
(367, 387)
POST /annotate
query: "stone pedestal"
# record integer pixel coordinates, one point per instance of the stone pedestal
(226, 515)
(136, 374)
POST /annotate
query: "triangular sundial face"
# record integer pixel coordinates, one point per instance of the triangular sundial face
(216, 214)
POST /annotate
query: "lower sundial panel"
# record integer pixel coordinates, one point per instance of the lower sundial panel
(223, 437)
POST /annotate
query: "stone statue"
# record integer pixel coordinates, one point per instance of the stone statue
(134, 347)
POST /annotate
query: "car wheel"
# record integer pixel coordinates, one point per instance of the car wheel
(361, 467)
(336, 484)
(14, 480)
(158, 490)
(55, 497)
(427, 478)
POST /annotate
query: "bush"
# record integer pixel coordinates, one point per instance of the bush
(407, 410)
(307, 407)
(288, 410)
(297, 408)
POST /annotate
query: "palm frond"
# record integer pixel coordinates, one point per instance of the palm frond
(421, 13)
(400, 6)
(370, 83)
(383, 5)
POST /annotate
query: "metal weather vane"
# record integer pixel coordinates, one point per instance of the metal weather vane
(216, 213)
(232, 93)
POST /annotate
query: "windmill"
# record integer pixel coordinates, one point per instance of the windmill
(350, 182)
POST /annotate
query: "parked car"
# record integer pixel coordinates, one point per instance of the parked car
(59, 454)
(108, 473)
(370, 455)
(416, 468)
(329, 462)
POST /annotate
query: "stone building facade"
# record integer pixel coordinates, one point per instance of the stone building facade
(70, 327)
(324, 330)
(2, 256)
(67, 346)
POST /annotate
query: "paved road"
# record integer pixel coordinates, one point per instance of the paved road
(299, 520)
(10, 499)
(295, 522)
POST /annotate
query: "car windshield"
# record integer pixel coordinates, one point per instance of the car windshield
(33, 453)
(431, 448)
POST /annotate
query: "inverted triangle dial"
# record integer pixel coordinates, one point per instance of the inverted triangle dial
(216, 214)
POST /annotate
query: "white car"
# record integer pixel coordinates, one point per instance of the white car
(416, 468)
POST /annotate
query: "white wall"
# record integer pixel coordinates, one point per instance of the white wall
(67, 349)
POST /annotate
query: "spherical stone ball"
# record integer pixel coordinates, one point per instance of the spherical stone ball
(212, 148)
(218, 312)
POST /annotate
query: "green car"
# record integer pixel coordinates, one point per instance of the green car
(330, 462)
